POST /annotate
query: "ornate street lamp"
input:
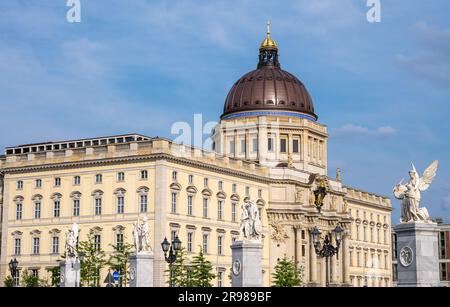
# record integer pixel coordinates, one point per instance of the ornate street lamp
(13, 264)
(170, 254)
(326, 249)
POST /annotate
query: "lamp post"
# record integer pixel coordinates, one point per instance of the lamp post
(13, 264)
(170, 254)
(326, 249)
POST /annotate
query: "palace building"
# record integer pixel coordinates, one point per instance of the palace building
(269, 146)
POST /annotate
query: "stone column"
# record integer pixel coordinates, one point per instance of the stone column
(418, 259)
(334, 270)
(346, 261)
(247, 264)
(312, 263)
(141, 270)
(69, 274)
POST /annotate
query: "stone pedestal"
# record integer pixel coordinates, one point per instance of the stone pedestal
(141, 270)
(69, 274)
(417, 252)
(247, 264)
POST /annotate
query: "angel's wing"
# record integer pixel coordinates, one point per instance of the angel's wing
(428, 176)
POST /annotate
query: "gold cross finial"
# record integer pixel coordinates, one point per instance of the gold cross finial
(268, 27)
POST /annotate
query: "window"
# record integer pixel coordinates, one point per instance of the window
(385, 236)
(295, 146)
(173, 235)
(357, 233)
(233, 212)
(205, 182)
(19, 208)
(55, 245)
(234, 188)
(36, 242)
(442, 245)
(119, 241)
(17, 246)
(205, 207)
(76, 207)
(98, 178)
(255, 145)
(56, 208)
(283, 145)
(358, 259)
(174, 176)
(243, 147)
(220, 210)
(16, 278)
(144, 175)
(97, 242)
(174, 203)
(190, 237)
(57, 182)
(121, 176)
(220, 279)
(37, 209)
(220, 185)
(76, 180)
(191, 179)
(98, 205)
(378, 235)
(270, 145)
(351, 257)
(38, 183)
(247, 191)
(259, 193)
(371, 234)
(220, 245)
(143, 201)
(443, 270)
(365, 234)
(190, 209)
(120, 204)
(19, 185)
(205, 243)
(231, 149)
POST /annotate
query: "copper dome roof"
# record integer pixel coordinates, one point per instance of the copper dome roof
(269, 88)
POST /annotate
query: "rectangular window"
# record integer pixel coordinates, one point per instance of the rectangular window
(255, 145)
(303, 250)
(443, 269)
(205, 207)
(243, 147)
(270, 143)
(56, 208)
(205, 243)
(143, 201)
(19, 185)
(98, 206)
(206, 182)
(234, 188)
(358, 259)
(57, 182)
(233, 212)
(247, 191)
(260, 193)
(174, 175)
(120, 204)
(190, 205)
(120, 176)
(144, 175)
(295, 146)
(220, 210)
(36, 242)
(76, 207)
(442, 245)
(98, 178)
(220, 279)
(174, 203)
(55, 245)
(190, 237)
(191, 179)
(38, 183)
(76, 180)
(19, 211)
(357, 233)
(231, 149)
(220, 245)
(173, 235)
(283, 145)
(97, 242)
(119, 241)
(37, 210)
(220, 185)
(17, 246)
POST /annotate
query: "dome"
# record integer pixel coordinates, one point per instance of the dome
(268, 90)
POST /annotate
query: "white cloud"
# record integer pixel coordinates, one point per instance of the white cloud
(352, 131)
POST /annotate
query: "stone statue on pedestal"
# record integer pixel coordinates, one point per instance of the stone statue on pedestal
(72, 241)
(410, 194)
(141, 236)
(251, 227)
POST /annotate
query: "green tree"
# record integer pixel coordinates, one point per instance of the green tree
(31, 281)
(286, 274)
(55, 273)
(8, 282)
(182, 271)
(202, 271)
(119, 261)
(93, 262)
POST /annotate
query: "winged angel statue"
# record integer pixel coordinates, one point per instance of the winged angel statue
(409, 193)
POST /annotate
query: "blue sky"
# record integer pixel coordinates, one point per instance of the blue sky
(138, 66)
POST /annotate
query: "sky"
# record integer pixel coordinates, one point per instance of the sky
(138, 66)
